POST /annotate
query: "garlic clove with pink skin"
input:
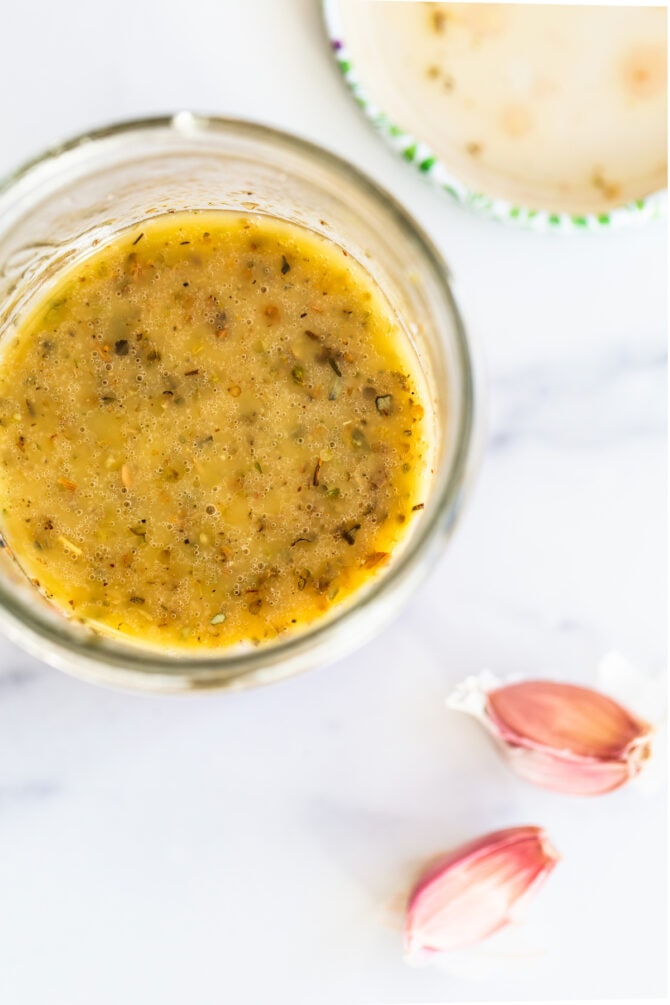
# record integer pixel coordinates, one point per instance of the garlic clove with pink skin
(475, 891)
(563, 737)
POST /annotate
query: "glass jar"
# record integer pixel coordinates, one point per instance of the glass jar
(58, 208)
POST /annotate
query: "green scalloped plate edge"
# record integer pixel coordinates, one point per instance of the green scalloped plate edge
(420, 155)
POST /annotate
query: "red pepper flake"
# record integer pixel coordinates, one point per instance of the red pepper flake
(374, 558)
(67, 484)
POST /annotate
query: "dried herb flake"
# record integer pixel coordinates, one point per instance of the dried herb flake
(349, 533)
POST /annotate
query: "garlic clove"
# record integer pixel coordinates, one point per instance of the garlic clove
(475, 890)
(562, 737)
(540, 713)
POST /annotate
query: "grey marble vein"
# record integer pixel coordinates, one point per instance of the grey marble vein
(585, 404)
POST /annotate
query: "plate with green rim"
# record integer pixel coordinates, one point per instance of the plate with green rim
(476, 97)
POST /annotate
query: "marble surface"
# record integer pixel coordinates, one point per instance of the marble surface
(250, 847)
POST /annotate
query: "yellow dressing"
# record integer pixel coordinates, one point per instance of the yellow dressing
(211, 431)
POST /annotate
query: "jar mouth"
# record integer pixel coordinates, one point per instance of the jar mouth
(102, 658)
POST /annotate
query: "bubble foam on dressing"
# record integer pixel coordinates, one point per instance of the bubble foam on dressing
(212, 431)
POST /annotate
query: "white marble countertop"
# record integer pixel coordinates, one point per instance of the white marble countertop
(244, 848)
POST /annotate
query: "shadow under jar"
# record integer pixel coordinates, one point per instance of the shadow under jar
(68, 204)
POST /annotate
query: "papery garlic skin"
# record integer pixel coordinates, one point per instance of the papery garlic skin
(475, 891)
(562, 737)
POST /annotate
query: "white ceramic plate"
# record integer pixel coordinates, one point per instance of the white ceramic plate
(550, 116)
